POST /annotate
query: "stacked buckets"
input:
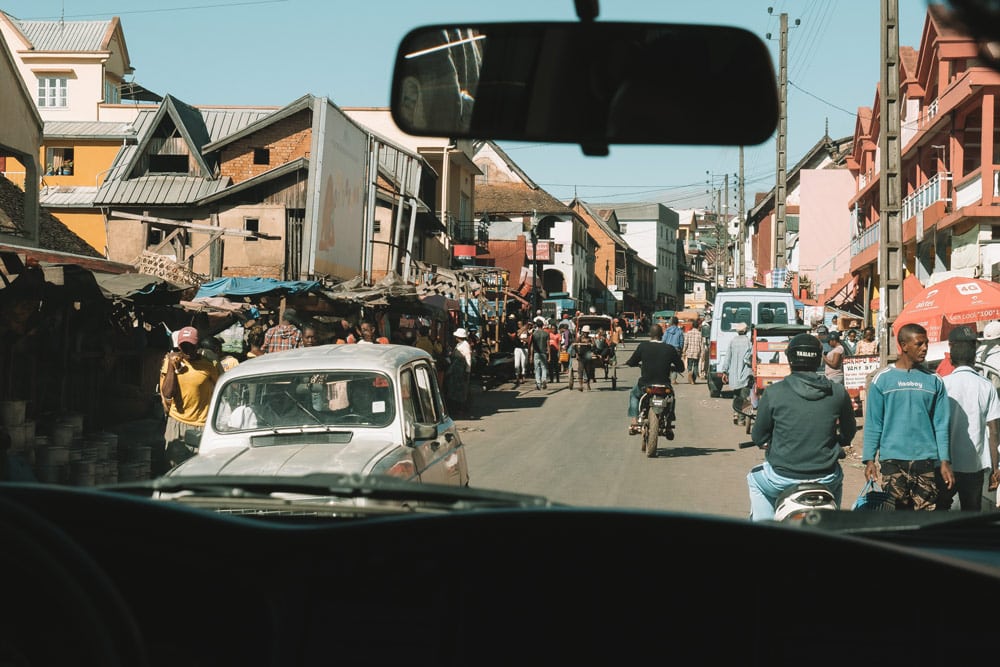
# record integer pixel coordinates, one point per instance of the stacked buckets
(61, 453)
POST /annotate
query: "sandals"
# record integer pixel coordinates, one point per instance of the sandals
(634, 429)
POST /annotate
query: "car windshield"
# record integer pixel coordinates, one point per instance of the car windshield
(240, 242)
(343, 398)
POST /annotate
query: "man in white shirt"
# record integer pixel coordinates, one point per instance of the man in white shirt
(974, 426)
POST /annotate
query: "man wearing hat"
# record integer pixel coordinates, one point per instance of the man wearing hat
(285, 335)
(459, 374)
(186, 383)
(974, 426)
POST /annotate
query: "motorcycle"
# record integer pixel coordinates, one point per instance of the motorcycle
(797, 502)
(656, 413)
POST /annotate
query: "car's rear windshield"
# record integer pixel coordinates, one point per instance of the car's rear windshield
(341, 398)
(735, 311)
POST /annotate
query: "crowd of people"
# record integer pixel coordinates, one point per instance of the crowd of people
(930, 434)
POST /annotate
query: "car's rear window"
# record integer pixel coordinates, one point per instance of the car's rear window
(772, 312)
(735, 311)
(342, 398)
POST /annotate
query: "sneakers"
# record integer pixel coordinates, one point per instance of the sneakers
(668, 433)
(545, 385)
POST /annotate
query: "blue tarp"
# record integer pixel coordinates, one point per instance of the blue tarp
(254, 286)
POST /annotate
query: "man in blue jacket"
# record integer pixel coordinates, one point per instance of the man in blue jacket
(673, 335)
(907, 426)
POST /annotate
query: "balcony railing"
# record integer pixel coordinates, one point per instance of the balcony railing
(868, 238)
(932, 111)
(932, 191)
(468, 231)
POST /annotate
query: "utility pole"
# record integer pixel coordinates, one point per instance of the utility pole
(727, 257)
(741, 235)
(780, 188)
(890, 249)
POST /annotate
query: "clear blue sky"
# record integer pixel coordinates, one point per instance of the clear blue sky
(271, 52)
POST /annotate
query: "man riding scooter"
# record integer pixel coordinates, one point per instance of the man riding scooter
(802, 422)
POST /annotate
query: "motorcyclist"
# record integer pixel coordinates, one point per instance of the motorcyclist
(803, 422)
(658, 362)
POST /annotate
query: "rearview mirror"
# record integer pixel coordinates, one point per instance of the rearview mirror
(589, 83)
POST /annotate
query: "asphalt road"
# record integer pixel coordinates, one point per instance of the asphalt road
(573, 447)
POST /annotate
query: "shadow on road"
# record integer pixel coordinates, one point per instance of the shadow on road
(495, 401)
(678, 452)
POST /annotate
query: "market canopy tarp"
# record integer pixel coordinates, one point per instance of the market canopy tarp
(390, 289)
(949, 303)
(255, 287)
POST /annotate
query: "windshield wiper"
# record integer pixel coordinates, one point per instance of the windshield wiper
(344, 486)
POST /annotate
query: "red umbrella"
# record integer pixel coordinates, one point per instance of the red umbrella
(949, 303)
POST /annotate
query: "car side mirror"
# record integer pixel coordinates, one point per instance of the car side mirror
(424, 431)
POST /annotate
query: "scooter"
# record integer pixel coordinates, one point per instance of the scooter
(796, 502)
(656, 416)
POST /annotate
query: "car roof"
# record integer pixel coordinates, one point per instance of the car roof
(352, 356)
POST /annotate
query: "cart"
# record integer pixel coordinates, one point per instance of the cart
(605, 367)
(768, 363)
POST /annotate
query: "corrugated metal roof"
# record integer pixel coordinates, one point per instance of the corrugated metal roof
(224, 122)
(67, 196)
(65, 35)
(304, 102)
(163, 189)
(86, 129)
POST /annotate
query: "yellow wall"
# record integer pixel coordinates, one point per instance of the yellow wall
(88, 226)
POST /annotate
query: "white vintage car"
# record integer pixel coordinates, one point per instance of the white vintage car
(365, 409)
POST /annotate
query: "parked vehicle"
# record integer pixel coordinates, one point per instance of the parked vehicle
(656, 409)
(364, 409)
(751, 306)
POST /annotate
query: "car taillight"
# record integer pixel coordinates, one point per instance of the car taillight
(713, 349)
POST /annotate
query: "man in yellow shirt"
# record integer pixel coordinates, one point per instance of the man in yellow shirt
(186, 383)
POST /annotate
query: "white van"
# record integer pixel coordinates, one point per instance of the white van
(752, 306)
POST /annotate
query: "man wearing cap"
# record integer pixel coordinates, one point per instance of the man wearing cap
(538, 353)
(974, 426)
(283, 336)
(186, 384)
(734, 366)
(804, 420)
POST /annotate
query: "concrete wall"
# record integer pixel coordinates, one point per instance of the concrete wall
(824, 253)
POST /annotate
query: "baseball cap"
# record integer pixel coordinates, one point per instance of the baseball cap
(187, 335)
(992, 331)
(963, 333)
(740, 326)
(835, 335)
(585, 329)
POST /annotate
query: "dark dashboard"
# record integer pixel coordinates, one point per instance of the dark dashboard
(103, 578)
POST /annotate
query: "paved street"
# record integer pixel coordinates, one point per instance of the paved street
(573, 447)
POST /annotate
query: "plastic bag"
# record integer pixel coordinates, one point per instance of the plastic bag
(873, 499)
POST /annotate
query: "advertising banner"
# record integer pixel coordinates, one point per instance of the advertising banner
(856, 370)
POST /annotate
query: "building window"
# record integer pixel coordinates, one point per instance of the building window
(377, 227)
(168, 164)
(262, 156)
(58, 161)
(51, 91)
(112, 95)
(623, 228)
(251, 225)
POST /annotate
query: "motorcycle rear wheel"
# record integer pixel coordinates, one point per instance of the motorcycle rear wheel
(650, 433)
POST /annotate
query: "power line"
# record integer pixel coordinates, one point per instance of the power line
(160, 10)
